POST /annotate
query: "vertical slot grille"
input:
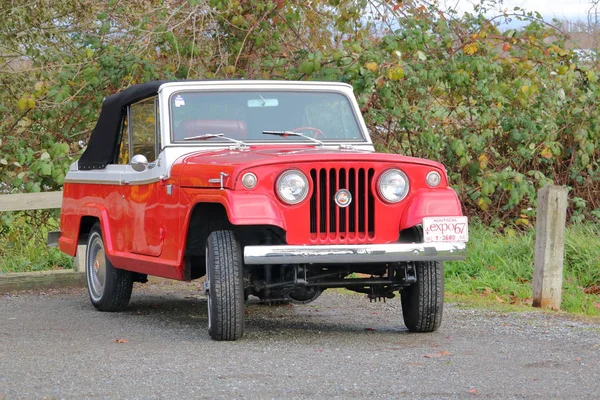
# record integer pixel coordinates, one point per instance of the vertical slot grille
(330, 222)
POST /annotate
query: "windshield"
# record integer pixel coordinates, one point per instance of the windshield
(245, 115)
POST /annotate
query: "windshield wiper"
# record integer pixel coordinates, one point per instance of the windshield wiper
(206, 136)
(290, 133)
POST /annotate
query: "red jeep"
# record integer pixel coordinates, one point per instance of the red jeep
(266, 188)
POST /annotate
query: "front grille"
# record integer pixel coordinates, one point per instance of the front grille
(330, 222)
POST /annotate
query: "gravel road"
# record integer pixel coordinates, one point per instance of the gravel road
(54, 345)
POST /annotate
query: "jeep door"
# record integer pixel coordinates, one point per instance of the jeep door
(143, 193)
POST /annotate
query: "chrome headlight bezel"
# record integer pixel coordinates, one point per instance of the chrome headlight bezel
(385, 176)
(432, 178)
(304, 191)
(249, 180)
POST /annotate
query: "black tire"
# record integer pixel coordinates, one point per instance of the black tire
(423, 301)
(109, 288)
(225, 286)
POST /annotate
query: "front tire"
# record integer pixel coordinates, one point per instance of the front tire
(109, 288)
(225, 286)
(423, 301)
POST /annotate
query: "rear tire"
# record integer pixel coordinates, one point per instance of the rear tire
(109, 288)
(423, 301)
(225, 286)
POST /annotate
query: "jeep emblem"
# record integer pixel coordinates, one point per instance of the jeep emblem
(343, 198)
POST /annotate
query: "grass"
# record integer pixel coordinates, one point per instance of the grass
(23, 245)
(499, 268)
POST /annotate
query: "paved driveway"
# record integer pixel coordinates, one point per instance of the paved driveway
(55, 345)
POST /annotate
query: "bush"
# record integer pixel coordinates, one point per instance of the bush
(506, 111)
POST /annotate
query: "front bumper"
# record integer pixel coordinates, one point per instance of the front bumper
(343, 254)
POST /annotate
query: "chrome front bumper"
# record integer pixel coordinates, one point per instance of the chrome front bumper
(364, 253)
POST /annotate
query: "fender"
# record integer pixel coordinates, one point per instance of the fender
(68, 244)
(242, 208)
(430, 203)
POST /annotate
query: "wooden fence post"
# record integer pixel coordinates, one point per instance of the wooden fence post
(549, 246)
(79, 259)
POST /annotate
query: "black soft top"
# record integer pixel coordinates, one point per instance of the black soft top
(104, 143)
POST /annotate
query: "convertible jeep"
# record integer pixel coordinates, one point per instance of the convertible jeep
(269, 189)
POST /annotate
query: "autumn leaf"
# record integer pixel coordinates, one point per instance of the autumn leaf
(481, 203)
(121, 340)
(22, 103)
(522, 221)
(593, 289)
(442, 353)
(483, 161)
(395, 73)
(470, 48)
(371, 66)
(546, 153)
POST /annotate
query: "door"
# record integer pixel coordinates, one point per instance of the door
(143, 192)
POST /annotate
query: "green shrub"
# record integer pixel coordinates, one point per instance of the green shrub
(23, 245)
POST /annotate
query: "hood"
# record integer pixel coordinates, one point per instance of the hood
(204, 168)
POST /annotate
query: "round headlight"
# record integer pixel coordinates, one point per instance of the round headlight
(393, 185)
(292, 187)
(433, 179)
(249, 180)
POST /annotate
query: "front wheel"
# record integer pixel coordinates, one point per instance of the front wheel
(109, 288)
(423, 301)
(225, 286)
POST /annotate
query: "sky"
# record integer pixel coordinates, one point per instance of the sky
(571, 10)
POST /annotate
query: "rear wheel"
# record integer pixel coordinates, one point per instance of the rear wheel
(225, 286)
(109, 288)
(423, 301)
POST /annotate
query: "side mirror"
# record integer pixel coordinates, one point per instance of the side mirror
(139, 163)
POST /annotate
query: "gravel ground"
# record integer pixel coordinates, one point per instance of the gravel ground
(54, 345)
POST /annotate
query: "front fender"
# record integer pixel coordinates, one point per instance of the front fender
(430, 203)
(242, 208)
(254, 209)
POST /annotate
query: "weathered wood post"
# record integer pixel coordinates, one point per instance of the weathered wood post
(549, 246)
(79, 259)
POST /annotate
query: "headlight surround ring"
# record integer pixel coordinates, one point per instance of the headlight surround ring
(292, 187)
(249, 180)
(393, 185)
(433, 179)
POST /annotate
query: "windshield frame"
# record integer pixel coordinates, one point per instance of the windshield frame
(364, 137)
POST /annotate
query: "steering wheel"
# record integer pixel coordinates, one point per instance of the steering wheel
(316, 132)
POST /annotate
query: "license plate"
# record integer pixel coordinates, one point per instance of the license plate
(445, 229)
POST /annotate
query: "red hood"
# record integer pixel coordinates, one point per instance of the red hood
(195, 169)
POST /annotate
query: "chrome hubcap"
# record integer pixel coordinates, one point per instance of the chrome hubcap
(96, 267)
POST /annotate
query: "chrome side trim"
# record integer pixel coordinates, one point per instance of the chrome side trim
(341, 254)
(111, 182)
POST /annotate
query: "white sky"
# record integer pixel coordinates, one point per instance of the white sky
(572, 10)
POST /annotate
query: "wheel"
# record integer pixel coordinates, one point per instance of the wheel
(423, 301)
(109, 288)
(317, 133)
(225, 286)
